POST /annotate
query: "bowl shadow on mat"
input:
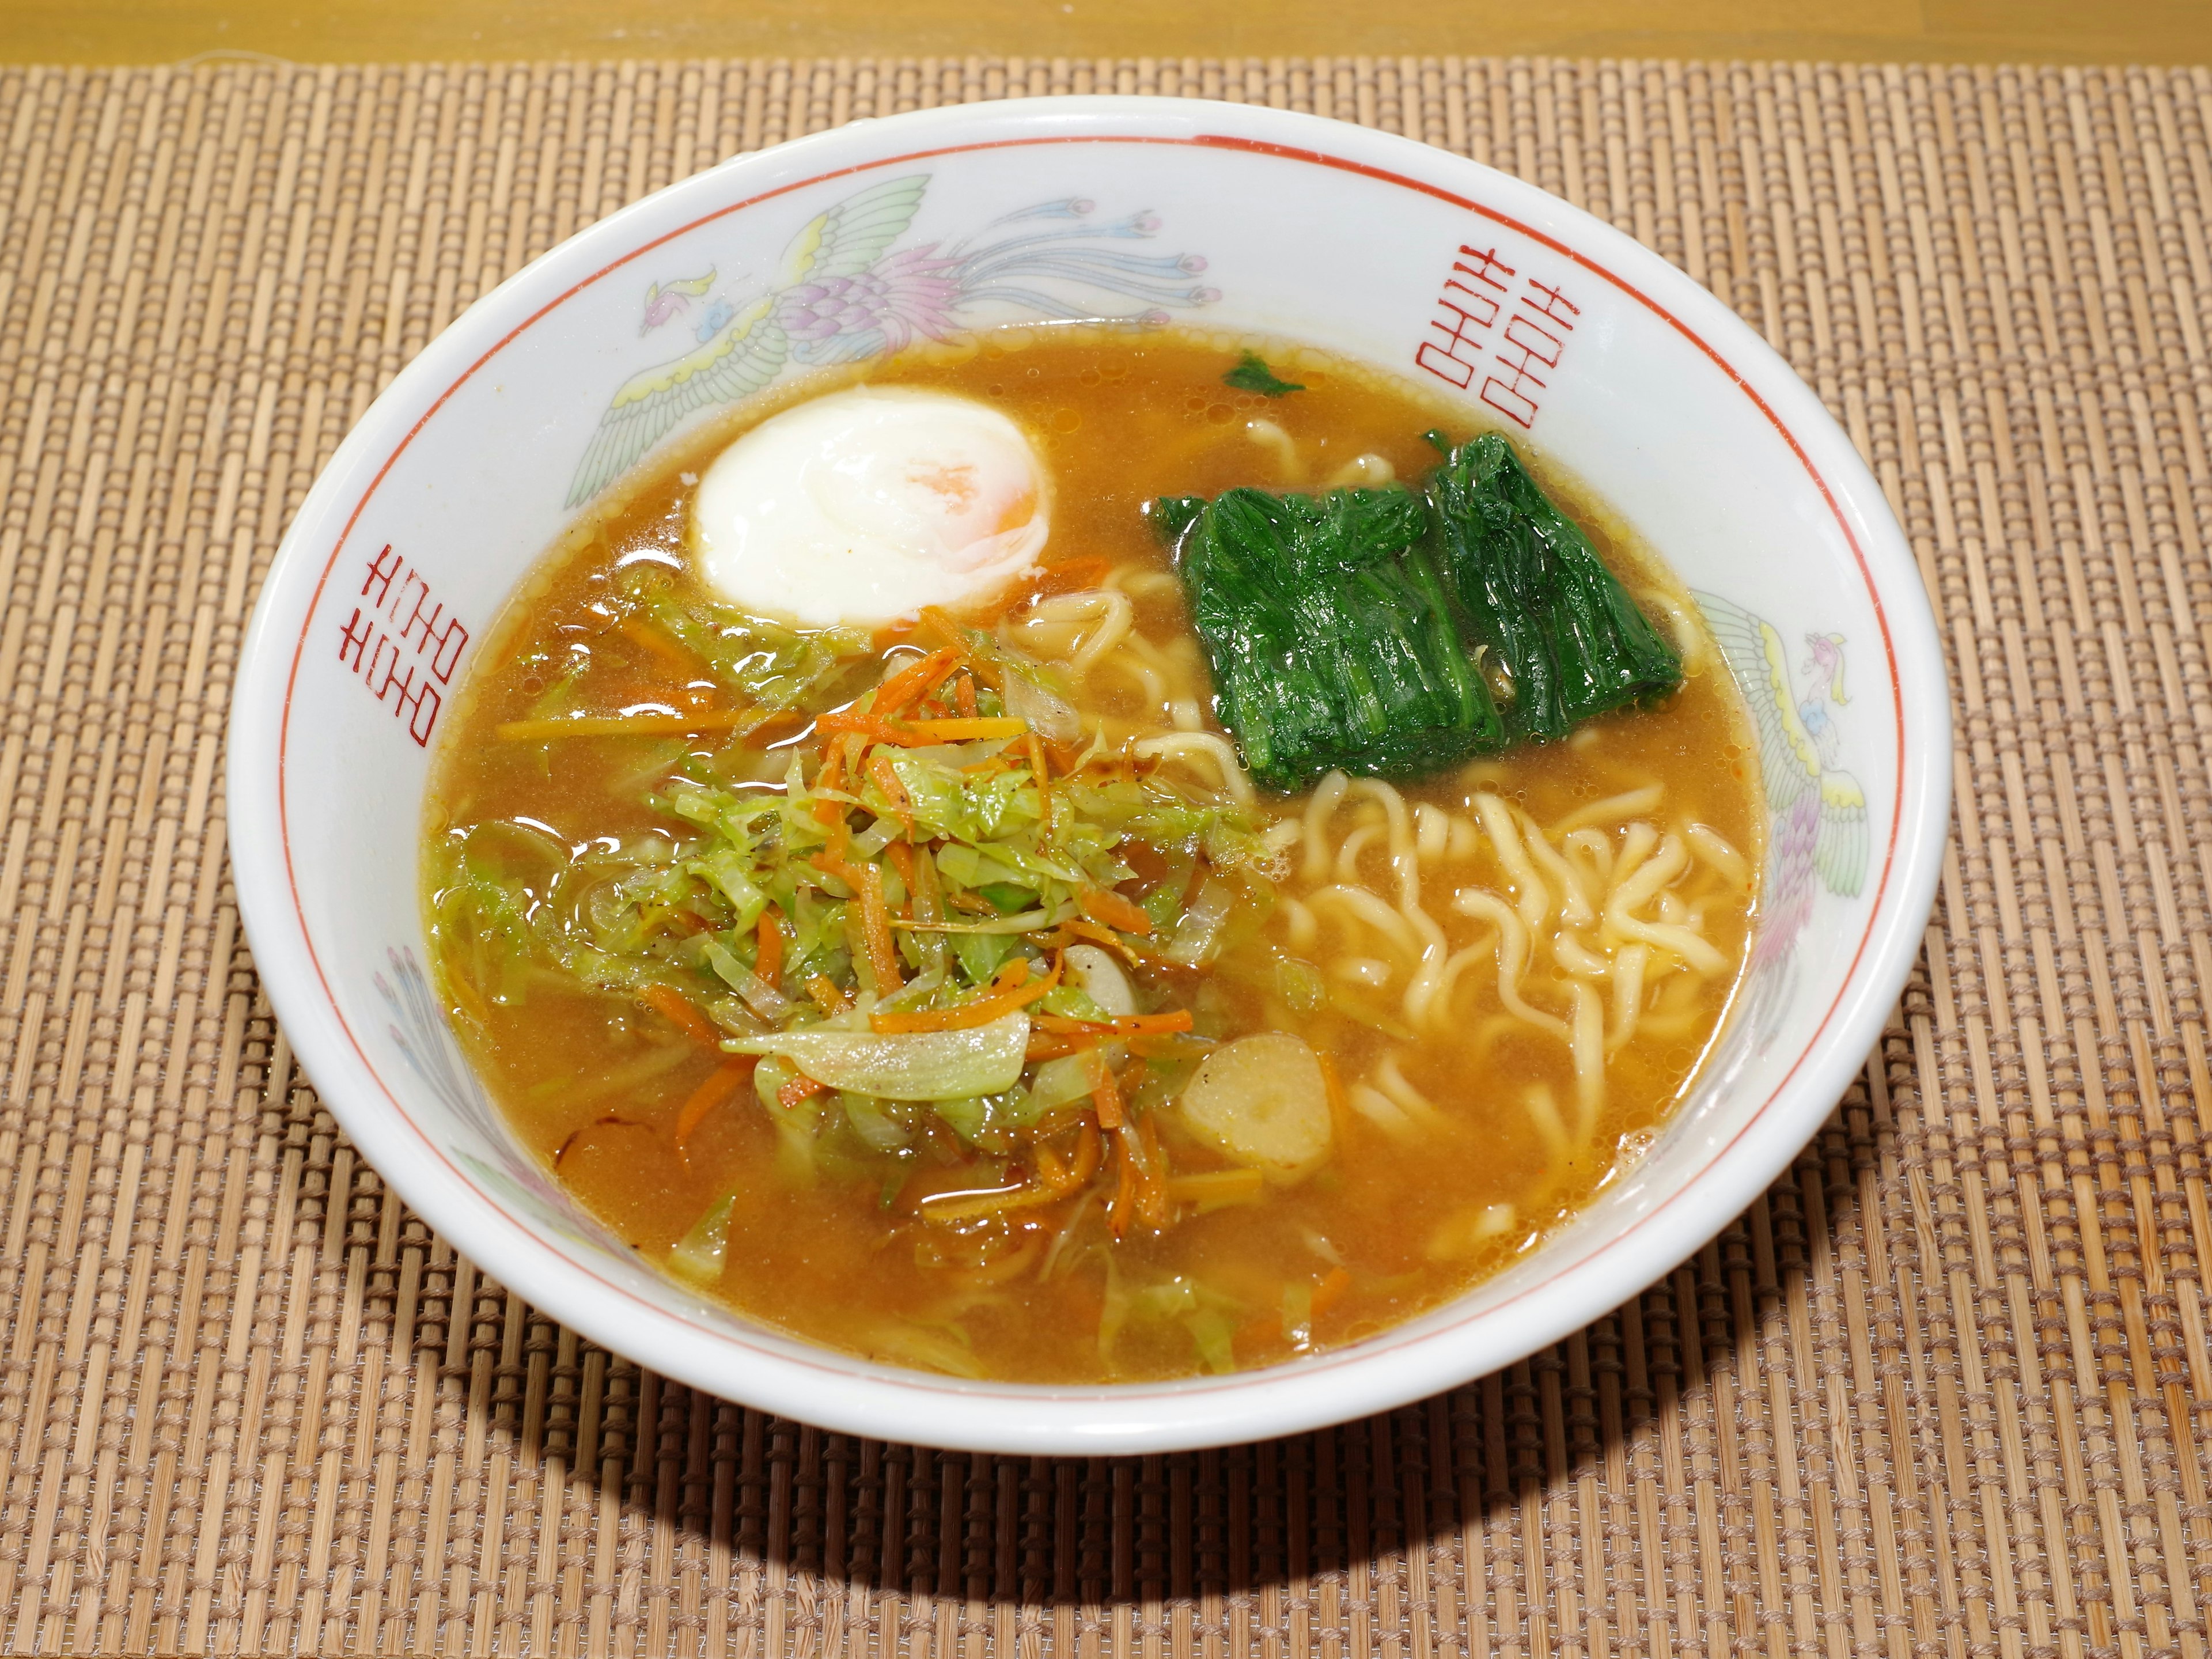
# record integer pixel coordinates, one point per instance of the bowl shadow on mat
(1682, 1378)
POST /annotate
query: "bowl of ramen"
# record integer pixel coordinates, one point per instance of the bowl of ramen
(1088, 776)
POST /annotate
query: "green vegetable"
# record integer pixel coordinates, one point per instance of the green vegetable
(773, 666)
(1253, 375)
(699, 1254)
(1205, 1314)
(983, 1060)
(1537, 599)
(1390, 632)
(1297, 1312)
(1005, 898)
(1299, 983)
(877, 1127)
(1330, 638)
(1197, 937)
(985, 1120)
(983, 954)
(1215, 1339)
(1069, 1077)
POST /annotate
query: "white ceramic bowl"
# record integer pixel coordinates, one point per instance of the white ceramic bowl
(1544, 320)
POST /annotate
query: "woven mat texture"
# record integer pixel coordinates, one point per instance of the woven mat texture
(1944, 1391)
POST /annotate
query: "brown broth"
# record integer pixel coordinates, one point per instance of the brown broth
(1390, 1226)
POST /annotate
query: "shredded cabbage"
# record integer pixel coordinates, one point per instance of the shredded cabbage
(907, 1066)
(700, 1254)
(922, 932)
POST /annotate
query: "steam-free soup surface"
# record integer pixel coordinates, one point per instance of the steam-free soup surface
(1505, 975)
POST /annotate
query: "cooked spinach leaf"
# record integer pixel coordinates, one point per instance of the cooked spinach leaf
(1329, 635)
(1535, 596)
(1392, 633)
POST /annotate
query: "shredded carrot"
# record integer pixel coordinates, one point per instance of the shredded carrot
(469, 1001)
(1104, 904)
(1130, 953)
(963, 696)
(1090, 1152)
(678, 1010)
(1217, 1188)
(1171, 1045)
(1339, 1108)
(1008, 993)
(630, 725)
(830, 777)
(915, 681)
(1141, 1189)
(1051, 1045)
(1107, 1098)
(647, 637)
(947, 1209)
(920, 734)
(800, 1088)
(720, 1085)
(887, 780)
(1175, 1020)
(866, 881)
(867, 726)
(827, 997)
(1152, 1179)
(1051, 1171)
(768, 962)
(1123, 1206)
(1093, 932)
(942, 626)
(876, 928)
(1330, 1291)
(1048, 819)
(902, 857)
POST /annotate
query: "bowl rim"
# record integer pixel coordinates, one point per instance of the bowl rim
(843, 1392)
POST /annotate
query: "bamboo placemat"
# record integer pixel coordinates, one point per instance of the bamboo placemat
(1944, 1391)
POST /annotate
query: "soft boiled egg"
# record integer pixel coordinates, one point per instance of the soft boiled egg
(864, 505)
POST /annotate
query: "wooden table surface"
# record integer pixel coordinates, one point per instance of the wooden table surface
(1980, 31)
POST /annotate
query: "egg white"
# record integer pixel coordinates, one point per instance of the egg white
(865, 505)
